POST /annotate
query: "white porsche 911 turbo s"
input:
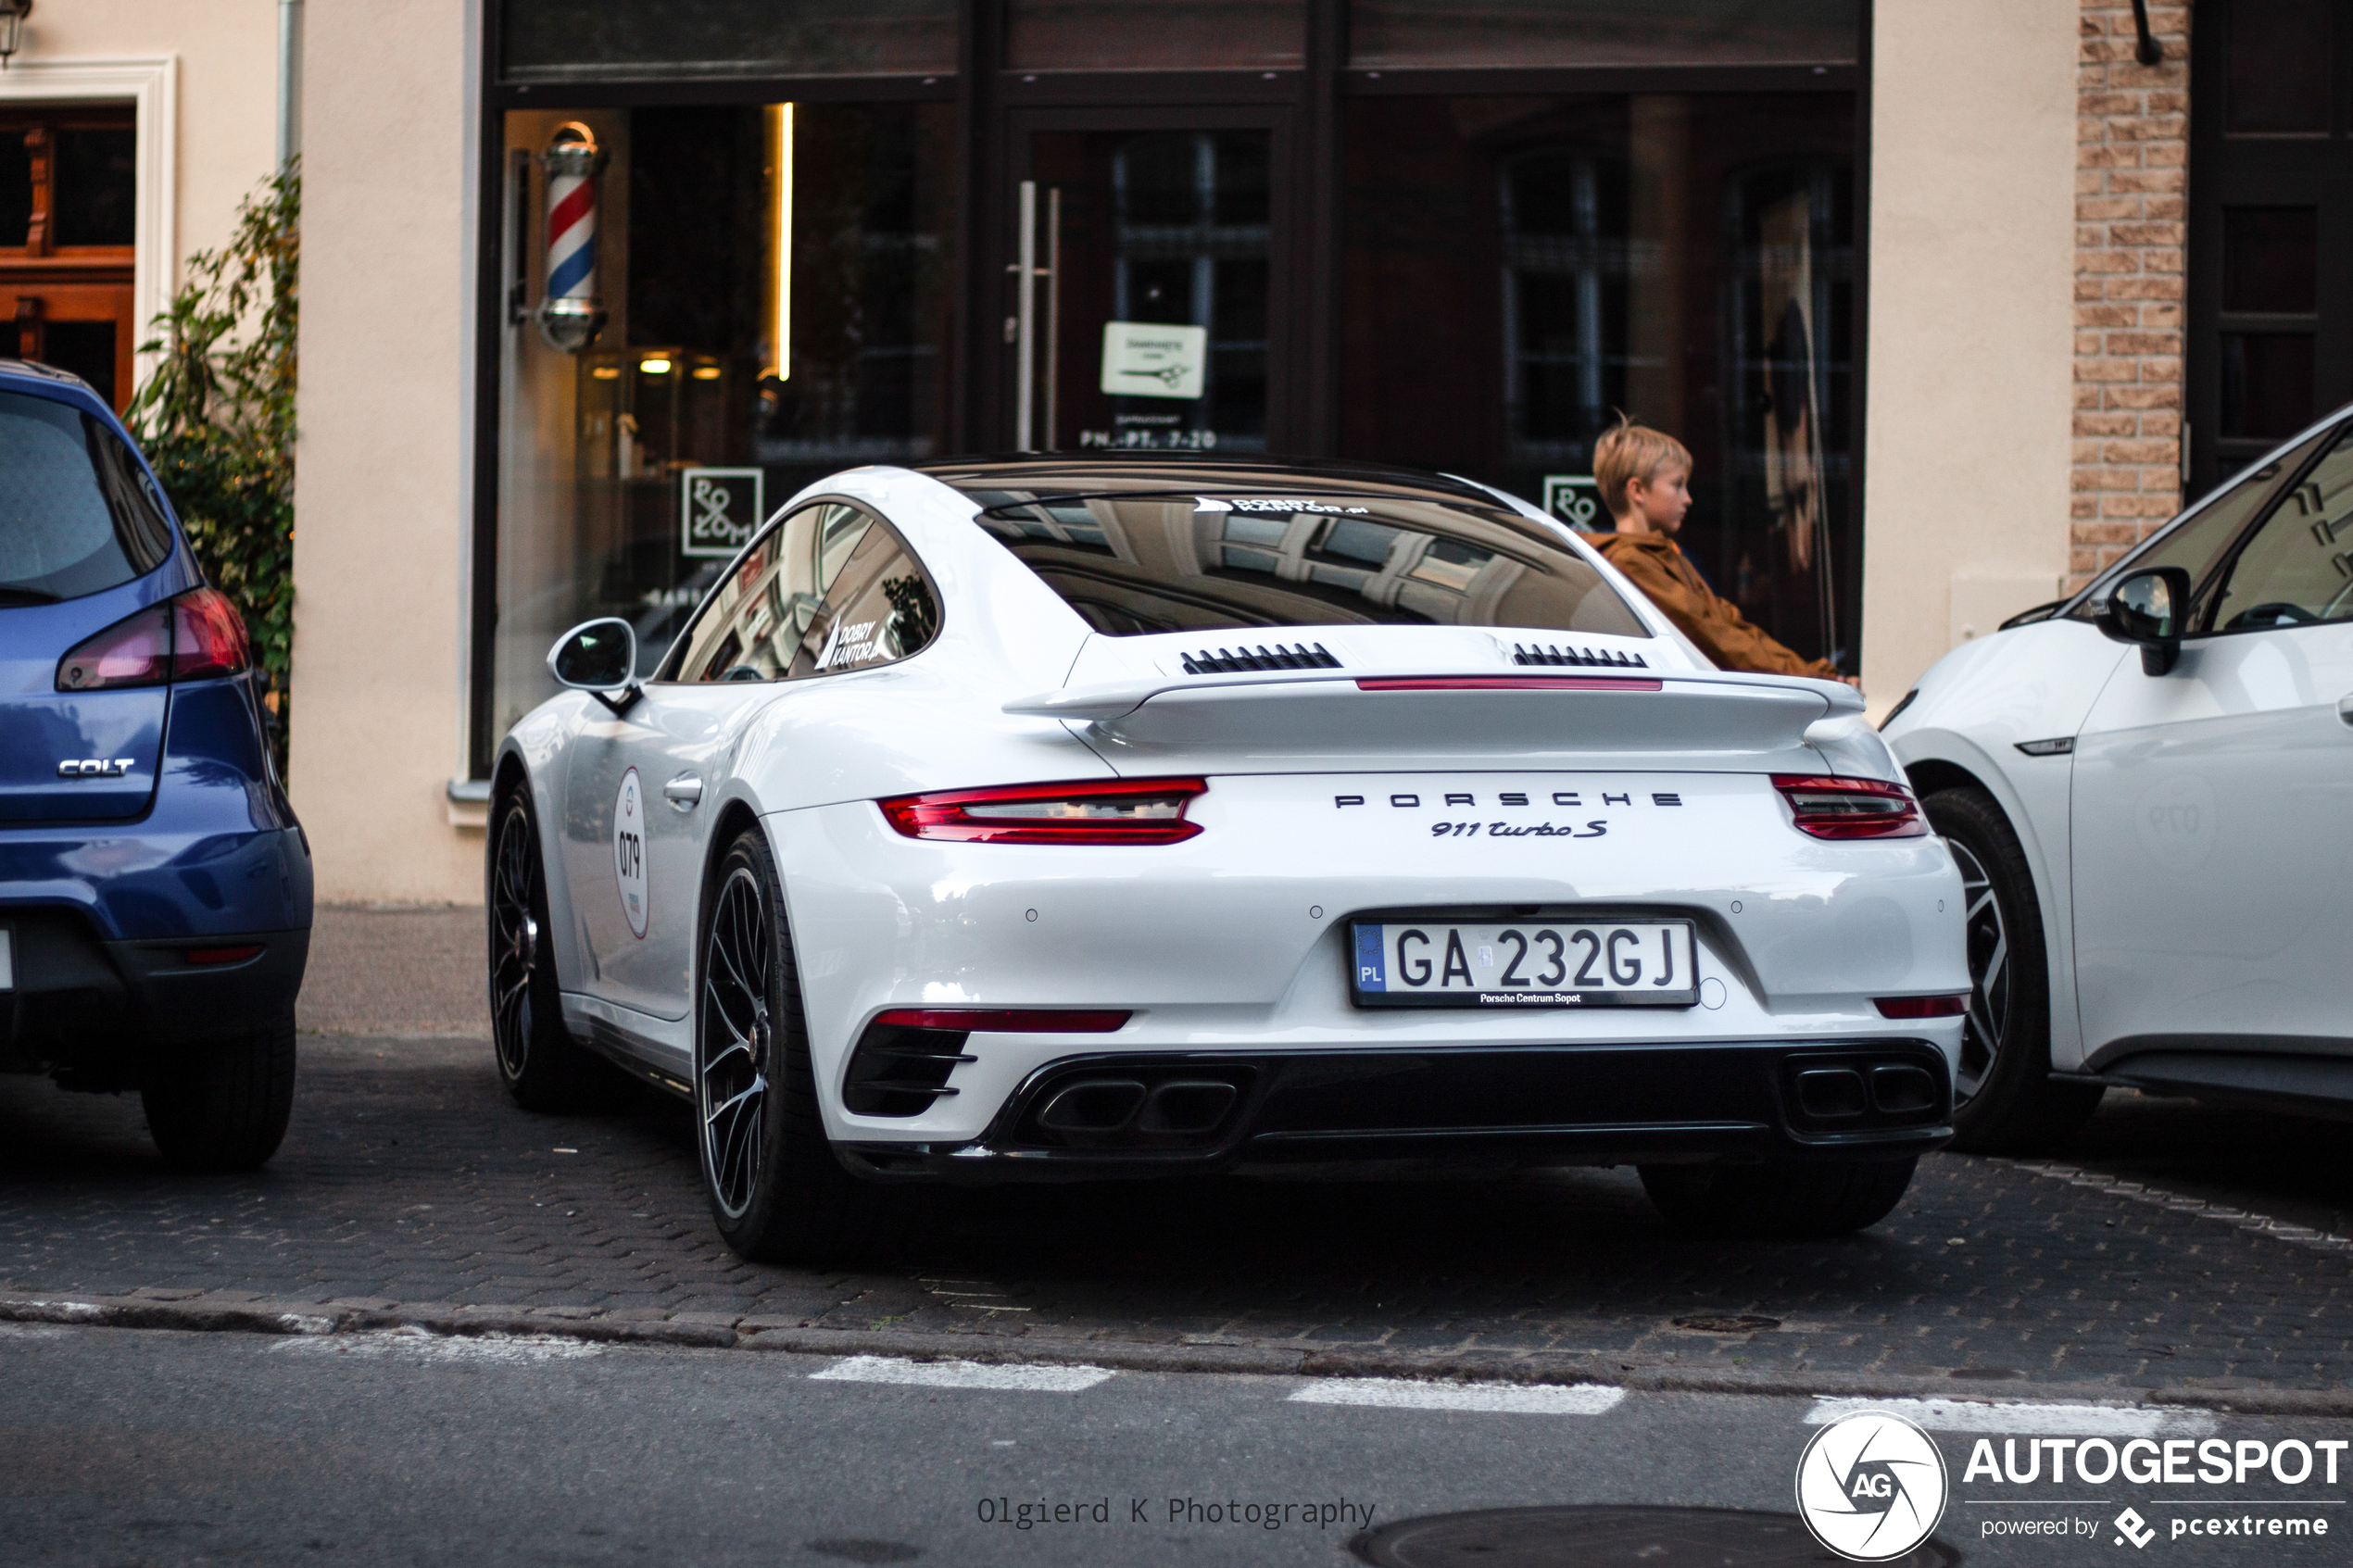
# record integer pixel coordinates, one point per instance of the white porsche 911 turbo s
(1059, 817)
(2158, 845)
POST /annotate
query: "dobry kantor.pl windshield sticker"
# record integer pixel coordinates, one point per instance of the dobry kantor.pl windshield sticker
(1872, 1487)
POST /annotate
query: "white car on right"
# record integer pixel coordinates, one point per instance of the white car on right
(2148, 789)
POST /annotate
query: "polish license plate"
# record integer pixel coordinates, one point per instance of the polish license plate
(1542, 963)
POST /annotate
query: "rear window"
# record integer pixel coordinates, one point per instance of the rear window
(78, 514)
(1132, 564)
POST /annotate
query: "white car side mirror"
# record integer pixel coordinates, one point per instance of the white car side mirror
(599, 658)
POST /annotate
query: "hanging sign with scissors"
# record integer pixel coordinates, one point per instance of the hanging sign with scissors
(1153, 360)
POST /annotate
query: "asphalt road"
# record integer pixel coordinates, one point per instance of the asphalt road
(127, 1446)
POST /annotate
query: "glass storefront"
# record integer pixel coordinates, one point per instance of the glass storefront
(1416, 231)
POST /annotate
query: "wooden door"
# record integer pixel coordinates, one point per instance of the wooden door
(68, 219)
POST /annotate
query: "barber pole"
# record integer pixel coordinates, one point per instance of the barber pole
(570, 314)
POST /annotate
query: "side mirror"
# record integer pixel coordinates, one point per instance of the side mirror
(599, 658)
(2150, 607)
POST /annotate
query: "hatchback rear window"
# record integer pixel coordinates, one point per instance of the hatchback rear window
(78, 514)
(1132, 563)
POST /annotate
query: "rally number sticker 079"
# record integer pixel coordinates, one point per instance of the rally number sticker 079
(629, 850)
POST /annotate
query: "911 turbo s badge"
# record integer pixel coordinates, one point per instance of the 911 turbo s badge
(629, 850)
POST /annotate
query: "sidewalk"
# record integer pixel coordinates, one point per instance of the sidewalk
(395, 970)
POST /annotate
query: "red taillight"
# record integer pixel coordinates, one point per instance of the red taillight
(1833, 807)
(1005, 1021)
(1506, 683)
(1118, 811)
(208, 636)
(1921, 1007)
(189, 637)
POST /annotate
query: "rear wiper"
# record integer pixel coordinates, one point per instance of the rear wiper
(27, 596)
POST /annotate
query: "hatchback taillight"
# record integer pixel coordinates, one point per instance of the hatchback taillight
(1835, 808)
(1114, 812)
(191, 636)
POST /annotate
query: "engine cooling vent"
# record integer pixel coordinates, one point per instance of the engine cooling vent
(1544, 653)
(1227, 661)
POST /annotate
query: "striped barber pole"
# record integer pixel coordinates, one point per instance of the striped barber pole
(570, 313)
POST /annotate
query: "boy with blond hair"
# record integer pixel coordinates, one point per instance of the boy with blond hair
(1644, 476)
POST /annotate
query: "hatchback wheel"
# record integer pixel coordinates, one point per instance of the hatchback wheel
(223, 1104)
(540, 1063)
(2004, 1101)
(774, 1186)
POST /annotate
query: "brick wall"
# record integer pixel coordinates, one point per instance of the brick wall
(2131, 173)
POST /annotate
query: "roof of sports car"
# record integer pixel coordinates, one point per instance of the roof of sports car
(987, 479)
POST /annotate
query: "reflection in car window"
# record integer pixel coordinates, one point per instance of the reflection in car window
(78, 515)
(769, 621)
(1133, 564)
(2202, 539)
(2297, 568)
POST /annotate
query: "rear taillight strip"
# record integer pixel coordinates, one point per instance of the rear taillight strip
(1092, 811)
(1829, 807)
(1506, 683)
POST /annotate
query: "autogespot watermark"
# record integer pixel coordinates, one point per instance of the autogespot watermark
(1873, 1486)
(1278, 1514)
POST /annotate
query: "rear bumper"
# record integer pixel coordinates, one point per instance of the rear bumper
(89, 1008)
(1568, 1104)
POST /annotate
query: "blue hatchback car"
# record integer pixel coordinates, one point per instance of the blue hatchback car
(155, 887)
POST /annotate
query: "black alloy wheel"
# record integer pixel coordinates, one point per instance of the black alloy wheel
(776, 1191)
(2003, 1098)
(542, 1066)
(732, 1065)
(1988, 937)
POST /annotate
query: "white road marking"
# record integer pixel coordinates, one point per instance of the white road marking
(1399, 1393)
(507, 1349)
(2196, 1208)
(962, 1374)
(32, 1331)
(2024, 1420)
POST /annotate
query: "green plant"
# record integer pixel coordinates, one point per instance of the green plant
(216, 420)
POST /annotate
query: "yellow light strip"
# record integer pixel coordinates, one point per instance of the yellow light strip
(779, 322)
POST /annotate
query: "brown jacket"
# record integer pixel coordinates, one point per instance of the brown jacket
(1657, 565)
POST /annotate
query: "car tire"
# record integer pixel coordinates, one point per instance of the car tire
(776, 1191)
(542, 1066)
(222, 1105)
(1781, 1198)
(2003, 1098)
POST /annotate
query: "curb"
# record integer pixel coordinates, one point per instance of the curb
(234, 1312)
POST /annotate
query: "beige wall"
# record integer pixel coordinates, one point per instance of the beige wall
(380, 500)
(1971, 338)
(227, 90)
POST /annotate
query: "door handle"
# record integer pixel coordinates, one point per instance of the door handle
(684, 793)
(2345, 709)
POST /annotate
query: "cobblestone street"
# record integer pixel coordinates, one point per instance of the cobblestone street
(409, 1178)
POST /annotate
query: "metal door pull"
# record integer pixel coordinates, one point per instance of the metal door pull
(685, 792)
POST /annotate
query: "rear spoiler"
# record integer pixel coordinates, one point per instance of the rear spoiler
(1316, 719)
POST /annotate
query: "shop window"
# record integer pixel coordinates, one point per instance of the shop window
(1566, 266)
(1518, 271)
(1394, 34)
(1155, 34)
(68, 218)
(560, 40)
(775, 282)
